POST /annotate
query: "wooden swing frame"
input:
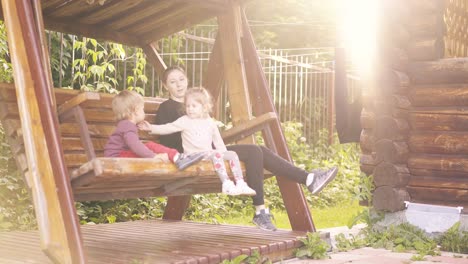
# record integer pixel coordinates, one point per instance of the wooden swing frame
(234, 60)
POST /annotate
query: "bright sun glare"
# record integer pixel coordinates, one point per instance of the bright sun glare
(357, 26)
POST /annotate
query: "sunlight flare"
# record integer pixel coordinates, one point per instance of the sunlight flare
(357, 32)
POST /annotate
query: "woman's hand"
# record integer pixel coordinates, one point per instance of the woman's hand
(144, 126)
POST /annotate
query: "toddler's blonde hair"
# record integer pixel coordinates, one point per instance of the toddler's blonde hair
(125, 103)
(202, 96)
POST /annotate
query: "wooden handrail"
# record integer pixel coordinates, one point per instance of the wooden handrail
(77, 100)
(248, 128)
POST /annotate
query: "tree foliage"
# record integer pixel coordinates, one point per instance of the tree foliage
(292, 23)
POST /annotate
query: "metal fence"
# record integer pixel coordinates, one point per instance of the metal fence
(301, 80)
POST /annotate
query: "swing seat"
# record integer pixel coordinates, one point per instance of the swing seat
(86, 121)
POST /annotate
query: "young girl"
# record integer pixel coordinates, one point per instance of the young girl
(199, 132)
(256, 158)
(128, 108)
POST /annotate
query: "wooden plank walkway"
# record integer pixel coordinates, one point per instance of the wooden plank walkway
(159, 241)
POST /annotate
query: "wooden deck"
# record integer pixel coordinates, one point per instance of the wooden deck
(159, 241)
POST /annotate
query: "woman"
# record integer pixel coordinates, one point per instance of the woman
(256, 158)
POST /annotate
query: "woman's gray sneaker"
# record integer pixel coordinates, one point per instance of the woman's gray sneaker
(321, 179)
(263, 221)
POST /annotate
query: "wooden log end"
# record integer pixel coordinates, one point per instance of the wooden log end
(391, 151)
(391, 128)
(388, 174)
(390, 199)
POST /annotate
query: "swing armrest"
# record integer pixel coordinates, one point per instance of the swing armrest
(248, 128)
(76, 101)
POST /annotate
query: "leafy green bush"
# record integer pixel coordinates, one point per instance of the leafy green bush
(254, 258)
(6, 71)
(313, 248)
(454, 240)
(320, 154)
(344, 244)
(16, 211)
(120, 210)
(214, 207)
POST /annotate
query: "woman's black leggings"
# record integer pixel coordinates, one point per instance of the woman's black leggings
(256, 158)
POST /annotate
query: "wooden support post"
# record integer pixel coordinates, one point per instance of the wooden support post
(294, 200)
(331, 107)
(230, 34)
(214, 76)
(52, 195)
(154, 58)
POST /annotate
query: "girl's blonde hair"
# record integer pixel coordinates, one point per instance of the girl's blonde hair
(125, 103)
(202, 96)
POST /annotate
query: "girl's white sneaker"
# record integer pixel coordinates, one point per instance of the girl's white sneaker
(244, 189)
(229, 188)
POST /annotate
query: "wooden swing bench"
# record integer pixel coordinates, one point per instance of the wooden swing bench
(86, 121)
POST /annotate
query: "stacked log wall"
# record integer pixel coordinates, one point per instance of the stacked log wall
(438, 118)
(410, 33)
(438, 140)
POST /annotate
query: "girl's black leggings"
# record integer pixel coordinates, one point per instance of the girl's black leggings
(256, 158)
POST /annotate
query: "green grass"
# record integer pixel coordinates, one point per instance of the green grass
(323, 218)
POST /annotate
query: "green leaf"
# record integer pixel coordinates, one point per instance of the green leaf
(110, 67)
(111, 219)
(93, 42)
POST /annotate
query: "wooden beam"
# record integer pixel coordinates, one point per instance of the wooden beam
(103, 33)
(230, 34)
(71, 9)
(146, 10)
(109, 10)
(439, 121)
(154, 58)
(53, 201)
(294, 200)
(443, 71)
(439, 95)
(173, 24)
(441, 162)
(439, 194)
(438, 182)
(439, 142)
(248, 128)
(77, 100)
(214, 76)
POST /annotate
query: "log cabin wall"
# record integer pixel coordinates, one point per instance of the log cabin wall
(415, 126)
